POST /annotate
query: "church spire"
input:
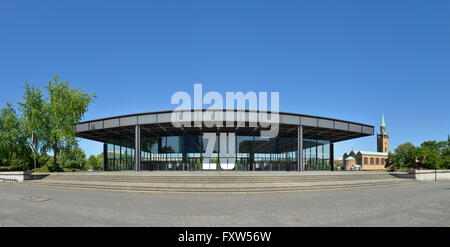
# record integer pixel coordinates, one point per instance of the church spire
(383, 137)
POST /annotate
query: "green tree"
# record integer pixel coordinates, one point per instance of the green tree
(392, 162)
(404, 155)
(54, 118)
(92, 162)
(429, 158)
(96, 162)
(33, 116)
(432, 155)
(43, 159)
(73, 157)
(446, 154)
(10, 138)
(99, 158)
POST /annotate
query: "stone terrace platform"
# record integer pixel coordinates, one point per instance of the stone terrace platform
(220, 182)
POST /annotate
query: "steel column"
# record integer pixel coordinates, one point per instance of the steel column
(105, 156)
(300, 148)
(317, 156)
(332, 156)
(137, 148)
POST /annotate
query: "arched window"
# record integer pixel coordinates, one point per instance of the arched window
(382, 161)
(371, 161)
(377, 161)
(366, 161)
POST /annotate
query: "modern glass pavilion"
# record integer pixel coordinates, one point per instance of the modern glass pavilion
(161, 146)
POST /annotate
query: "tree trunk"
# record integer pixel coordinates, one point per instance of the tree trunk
(9, 158)
(55, 152)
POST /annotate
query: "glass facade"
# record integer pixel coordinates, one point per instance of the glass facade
(119, 158)
(316, 155)
(187, 153)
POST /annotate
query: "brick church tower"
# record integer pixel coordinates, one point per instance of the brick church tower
(383, 138)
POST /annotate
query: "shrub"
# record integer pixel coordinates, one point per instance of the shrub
(7, 168)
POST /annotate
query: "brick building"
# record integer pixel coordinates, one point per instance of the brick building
(367, 160)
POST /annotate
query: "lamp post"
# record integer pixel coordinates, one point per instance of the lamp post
(435, 172)
(33, 148)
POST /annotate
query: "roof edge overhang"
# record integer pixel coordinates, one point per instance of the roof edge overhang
(345, 129)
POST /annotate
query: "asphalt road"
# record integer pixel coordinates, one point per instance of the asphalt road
(418, 204)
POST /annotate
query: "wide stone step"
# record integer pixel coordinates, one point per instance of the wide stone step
(214, 179)
(230, 188)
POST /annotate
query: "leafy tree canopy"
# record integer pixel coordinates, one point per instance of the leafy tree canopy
(10, 137)
(429, 155)
(53, 118)
(74, 158)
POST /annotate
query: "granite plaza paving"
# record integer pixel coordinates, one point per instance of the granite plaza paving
(416, 204)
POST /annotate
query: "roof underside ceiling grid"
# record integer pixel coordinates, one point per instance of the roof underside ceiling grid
(127, 132)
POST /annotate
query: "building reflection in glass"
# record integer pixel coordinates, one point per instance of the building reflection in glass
(186, 153)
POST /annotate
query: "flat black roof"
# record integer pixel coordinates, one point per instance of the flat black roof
(159, 123)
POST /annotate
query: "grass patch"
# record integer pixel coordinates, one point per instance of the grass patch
(51, 169)
(9, 169)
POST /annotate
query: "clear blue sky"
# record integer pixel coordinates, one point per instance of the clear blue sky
(350, 60)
